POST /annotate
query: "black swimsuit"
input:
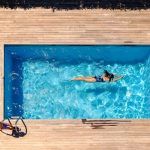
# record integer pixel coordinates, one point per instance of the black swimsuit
(99, 79)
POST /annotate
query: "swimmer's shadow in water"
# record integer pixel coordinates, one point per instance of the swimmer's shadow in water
(112, 89)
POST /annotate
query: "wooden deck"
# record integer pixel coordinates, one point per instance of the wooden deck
(41, 26)
(74, 135)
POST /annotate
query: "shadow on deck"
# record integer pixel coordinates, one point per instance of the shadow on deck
(99, 124)
(76, 4)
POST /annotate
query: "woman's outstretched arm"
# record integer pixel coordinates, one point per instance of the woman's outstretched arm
(116, 79)
(116, 75)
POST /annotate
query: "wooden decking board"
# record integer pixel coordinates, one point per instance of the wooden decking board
(70, 134)
(76, 26)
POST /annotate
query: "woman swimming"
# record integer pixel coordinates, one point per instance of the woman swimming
(106, 77)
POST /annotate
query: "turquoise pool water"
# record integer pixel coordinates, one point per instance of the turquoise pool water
(47, 92)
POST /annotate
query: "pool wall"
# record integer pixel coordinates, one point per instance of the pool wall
(122, 54)
(14, 55)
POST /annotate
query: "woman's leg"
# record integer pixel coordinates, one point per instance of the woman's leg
(86, 79)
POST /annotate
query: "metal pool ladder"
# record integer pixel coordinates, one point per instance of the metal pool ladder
(16, 132)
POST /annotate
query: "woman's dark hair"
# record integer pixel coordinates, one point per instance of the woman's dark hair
(109, 75)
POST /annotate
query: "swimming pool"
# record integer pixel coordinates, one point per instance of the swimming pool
(37, 81)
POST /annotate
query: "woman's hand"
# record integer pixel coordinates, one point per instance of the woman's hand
(115, 79)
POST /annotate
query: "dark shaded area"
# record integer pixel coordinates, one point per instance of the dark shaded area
(99, 124)
(97, 91)
(111, 89)
(17, 92)
(76, 4)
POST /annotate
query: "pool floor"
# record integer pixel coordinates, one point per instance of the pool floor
(38, 81)
(49, 93)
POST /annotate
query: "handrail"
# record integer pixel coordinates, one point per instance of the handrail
(16, 132)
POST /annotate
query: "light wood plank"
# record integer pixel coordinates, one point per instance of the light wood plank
(73, 134)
